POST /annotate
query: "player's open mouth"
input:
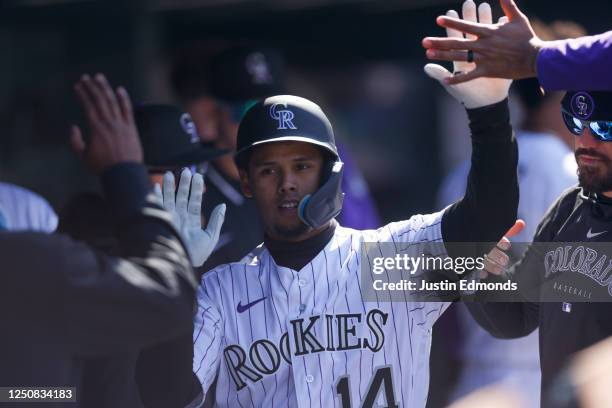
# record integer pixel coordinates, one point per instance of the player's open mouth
(288, 206)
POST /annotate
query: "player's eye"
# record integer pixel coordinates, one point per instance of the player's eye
(302, 166)
(266, 171)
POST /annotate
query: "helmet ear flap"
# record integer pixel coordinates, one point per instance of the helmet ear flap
(318, 208)
(302, 208)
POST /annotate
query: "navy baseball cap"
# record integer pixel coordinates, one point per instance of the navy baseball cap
(588, 105)
(169, 137)
(284, 118)
(243, 73)
(582, 109)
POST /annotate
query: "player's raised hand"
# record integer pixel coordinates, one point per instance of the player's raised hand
(477, 92)
(497, 260)
(113, 137)
(185, 207)
(505, 50)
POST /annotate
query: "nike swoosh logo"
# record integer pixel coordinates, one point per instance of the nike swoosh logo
(594, 234)
(242, 309)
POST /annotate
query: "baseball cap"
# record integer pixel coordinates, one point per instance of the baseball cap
(582, 109)
(588, 105)
(284, 118)
(169, 137)
(245, 72)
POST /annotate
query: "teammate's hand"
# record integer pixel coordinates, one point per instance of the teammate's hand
(477, 92)
(507, 50)
(113, 136)
(497, 260)
(186, 208)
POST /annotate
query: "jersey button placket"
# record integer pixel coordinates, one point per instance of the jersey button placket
(295, 304)
(302, 284)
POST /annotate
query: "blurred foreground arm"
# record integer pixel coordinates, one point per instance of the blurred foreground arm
(146, 294)
(146, 298)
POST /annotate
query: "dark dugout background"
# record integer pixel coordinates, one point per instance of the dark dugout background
(360, 59)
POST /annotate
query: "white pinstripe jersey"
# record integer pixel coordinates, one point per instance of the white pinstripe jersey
(277, 337)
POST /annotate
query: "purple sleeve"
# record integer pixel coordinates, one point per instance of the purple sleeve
(577, 64)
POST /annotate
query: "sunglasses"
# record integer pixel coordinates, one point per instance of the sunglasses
(601, 129)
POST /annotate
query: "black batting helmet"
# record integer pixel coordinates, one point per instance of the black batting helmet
(285, 118)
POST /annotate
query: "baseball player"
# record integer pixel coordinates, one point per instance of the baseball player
(66, 301)
(288, 325)
(158, 375)
(570, 278)
(217, 91)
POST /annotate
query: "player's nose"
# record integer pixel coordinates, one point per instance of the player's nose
(287, 183)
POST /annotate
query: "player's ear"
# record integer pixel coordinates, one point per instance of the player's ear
(244, 183)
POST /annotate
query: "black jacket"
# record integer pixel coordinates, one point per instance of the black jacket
(575, 265)
(62, 303)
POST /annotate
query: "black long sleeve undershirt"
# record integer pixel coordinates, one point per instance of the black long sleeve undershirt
(509, 320)
(489, 207)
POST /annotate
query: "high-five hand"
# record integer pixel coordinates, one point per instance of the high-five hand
(113, 135)
(185, 209)
(497, 260)
(508, 49)
(477, 92)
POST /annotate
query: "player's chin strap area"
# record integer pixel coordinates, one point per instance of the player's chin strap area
(326, 203)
